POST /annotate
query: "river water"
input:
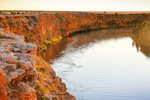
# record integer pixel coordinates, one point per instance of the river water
(108, 64)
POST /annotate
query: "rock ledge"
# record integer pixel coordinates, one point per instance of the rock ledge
(23, 75)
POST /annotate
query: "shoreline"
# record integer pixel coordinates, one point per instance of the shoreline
(24, 75)
(46, 28)
(8, 12)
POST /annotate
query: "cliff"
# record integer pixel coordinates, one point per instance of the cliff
(23, 75)
(46, 28)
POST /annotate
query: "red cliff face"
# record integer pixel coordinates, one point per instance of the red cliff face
(23, 75)
(39, 28)
(40, 81)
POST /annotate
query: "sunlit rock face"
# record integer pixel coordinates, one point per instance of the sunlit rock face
(24, 76)
(47, 26)
(17, 68)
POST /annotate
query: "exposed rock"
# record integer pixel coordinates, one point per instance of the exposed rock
(11, 67)
(49, 97)
(3, 94)
(15, 68)
(8, 66)
(48, 26)
(25, 65)
(2, 77)
(22, 91)
(8, 58)
(24, 48)
(13, 75)
(2, 49)
(24, 76)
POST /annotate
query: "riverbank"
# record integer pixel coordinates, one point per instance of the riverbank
(46, 27)
(23, 75)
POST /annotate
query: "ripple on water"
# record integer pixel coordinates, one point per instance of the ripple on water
(104, 66)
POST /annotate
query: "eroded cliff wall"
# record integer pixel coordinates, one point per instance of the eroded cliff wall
(23, 75)
(53, 26)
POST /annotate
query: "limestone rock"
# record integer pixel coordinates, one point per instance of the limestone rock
(8, 58)
(8, 66)
(19, 78)
(14, 69)
(2, 49)
(49, 97)
(25, 65)
(24, 47)
(11, 67)
(13, 75)
(22, 91)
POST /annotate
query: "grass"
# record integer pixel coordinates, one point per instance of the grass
(56, 39)
(45, 86)
(43, 48)
(43, 98)
(49, 42)
(0, 34)
(40, 69)
(37, 87)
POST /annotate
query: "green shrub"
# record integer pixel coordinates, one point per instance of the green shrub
(47, 42)
(43, 98)
(37, 87)
(44, 48)
(0, 34)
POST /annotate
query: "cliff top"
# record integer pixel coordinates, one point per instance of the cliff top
(30, 12)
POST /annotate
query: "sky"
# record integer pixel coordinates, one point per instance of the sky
(76, 5)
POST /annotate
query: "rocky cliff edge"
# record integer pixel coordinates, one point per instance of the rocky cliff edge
(23, 75)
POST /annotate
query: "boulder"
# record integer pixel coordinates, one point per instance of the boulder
(8, 58)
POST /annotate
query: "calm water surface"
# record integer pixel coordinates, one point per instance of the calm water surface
(109, 64)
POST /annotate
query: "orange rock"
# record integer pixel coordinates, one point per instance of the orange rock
(3, 94)
(19, 79)
(47, 26)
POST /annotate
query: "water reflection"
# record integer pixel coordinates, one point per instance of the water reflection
(79, 41)
(103, 65)
(141, 38)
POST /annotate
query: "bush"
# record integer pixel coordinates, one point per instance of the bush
(44, 48)
(43, 98)
(0, 34)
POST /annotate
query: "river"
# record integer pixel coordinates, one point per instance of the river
(107, 64)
